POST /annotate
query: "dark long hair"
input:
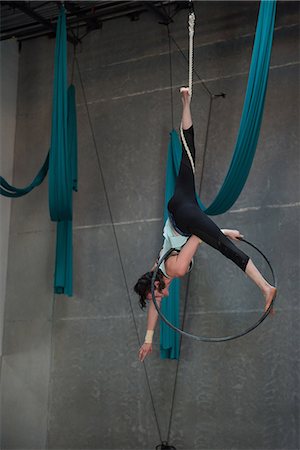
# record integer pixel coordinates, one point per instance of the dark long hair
(143, 286)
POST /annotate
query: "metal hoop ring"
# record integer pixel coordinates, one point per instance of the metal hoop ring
(207, 338)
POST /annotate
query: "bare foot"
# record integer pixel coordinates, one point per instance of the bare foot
(185, 95)
(269, 295)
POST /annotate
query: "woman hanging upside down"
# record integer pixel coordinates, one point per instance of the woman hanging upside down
(185, 229)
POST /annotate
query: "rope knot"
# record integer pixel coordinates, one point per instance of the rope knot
(191, 23)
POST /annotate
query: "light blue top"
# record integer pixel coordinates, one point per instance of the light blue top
(171, 240)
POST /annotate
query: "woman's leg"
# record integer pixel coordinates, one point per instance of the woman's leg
(203, 227)
(186, 120)
(185, 182)
(268, 291)
(189, 217)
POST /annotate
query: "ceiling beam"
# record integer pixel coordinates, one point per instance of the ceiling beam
(46, 23)
(92, 22)
(160, 13)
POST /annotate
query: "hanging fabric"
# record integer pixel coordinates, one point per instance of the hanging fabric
(244, 149)
(61, 162)
(8, 190)
(252, 113)
(62, 171)
(169, 339)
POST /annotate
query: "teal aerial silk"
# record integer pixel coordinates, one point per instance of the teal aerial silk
(62, 181)
(61, 163)
(242, 156)
(251, 115)
(8, 190)
(62, 172)
(169, 339)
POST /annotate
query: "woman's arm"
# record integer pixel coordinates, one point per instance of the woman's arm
(152, 315)
(146, 348)
(178, 265)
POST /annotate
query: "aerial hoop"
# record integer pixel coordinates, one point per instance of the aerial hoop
(220, 338)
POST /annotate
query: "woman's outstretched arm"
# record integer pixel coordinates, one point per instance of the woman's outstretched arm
(146, 348)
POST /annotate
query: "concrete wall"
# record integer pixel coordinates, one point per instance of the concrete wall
(71, 377)
(9, 60)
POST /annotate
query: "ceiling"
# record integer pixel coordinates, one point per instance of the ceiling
(31, 19)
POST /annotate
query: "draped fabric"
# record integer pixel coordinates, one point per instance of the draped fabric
(62, 171)
(61, 163)
(8, 190)
(252, 114)
(169, 339)
(242, 159)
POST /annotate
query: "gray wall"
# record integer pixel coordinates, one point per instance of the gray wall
(9, 59)
(70, 376)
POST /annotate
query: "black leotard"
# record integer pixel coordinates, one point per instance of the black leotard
(188, 218)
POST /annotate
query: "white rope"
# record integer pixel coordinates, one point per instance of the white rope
(187, 149)
(191, 48)
(191, 35)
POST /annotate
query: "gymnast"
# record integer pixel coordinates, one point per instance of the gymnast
(185, 229)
